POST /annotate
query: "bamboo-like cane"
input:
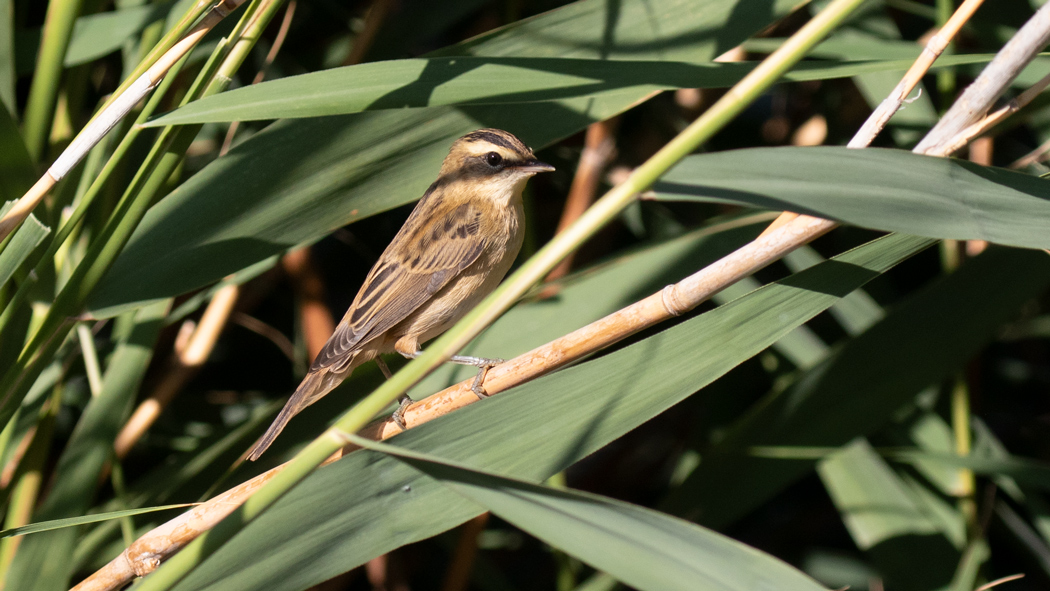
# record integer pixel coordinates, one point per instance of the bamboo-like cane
(143, 556)
(934, 47)
(110, 116)
(887, 108)
(995, 118)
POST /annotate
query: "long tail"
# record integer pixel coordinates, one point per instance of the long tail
(315, 385)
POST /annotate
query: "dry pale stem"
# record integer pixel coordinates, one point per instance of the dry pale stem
(998, 582)
(184, 365)
(22, 208)
(934, 47)
(782, 219)
(979, 96)
(882, 114)
(991, 120)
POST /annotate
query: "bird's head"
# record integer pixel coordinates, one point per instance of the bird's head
(493, 159)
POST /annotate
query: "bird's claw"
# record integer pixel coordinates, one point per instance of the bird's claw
(399, 415)
(477, 388)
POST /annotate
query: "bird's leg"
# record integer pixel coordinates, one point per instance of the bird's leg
(383, 367)
(483, 364)
(402, 401)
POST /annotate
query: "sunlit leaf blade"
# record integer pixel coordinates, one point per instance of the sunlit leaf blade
(28, 236)
(643, 548)
(95, 35)
(359, 507)
(74, 521)
(301, 179)
(883, 189)
(100, 34)
(890, 521)
(477, 81)
(856, 312)
(858, 389)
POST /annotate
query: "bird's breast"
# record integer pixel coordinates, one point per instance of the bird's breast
(472, 284)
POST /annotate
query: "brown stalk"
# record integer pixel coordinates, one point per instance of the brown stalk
(278, 42)
(374, 18)
(458, 576)
(184, 364)
(317, 322)
(598, 148)
(148, 551)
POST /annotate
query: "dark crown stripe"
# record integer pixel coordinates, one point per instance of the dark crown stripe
(498, 139)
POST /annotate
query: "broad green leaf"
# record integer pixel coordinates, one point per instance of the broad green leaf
(856, 312)
(848, 42)
(359, 507)
(643, 548)
(43, 526)
(97, 35)
(28, 236)
(889, 521)
(802, 346)
(42, 562)
(300, 179)
(857, 390)
(480, 81)
(883, 189)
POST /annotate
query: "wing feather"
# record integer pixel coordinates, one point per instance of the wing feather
(422, 259)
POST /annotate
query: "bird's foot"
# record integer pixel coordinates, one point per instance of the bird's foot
(483, 364)
(399, 415)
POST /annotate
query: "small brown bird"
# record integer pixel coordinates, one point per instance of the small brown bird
(453, 250)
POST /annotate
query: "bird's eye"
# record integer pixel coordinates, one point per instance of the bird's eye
(493, 159)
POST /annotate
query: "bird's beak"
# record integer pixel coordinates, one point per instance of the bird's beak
(534, 166)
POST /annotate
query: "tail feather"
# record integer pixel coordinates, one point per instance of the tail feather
(315, 385)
